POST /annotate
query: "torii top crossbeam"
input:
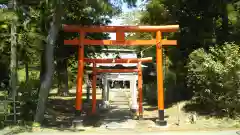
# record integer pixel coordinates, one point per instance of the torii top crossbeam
(75, 28)
(120, 37)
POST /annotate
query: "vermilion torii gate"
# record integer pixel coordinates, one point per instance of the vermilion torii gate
(120, 40)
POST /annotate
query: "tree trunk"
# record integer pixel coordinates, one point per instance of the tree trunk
(62, 77)
(62, 61)
(13, 65)
(42, 67)
(49, 59)
(43, 64)
(224, 16)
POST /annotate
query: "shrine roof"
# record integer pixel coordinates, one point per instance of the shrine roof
(120, 53)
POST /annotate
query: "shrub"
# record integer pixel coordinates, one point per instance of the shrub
(28, 98)
(214, 77)
(150, 92)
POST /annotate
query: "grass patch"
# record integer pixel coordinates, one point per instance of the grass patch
(32, 74)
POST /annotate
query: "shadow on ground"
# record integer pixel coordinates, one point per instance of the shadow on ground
(104, 117)
(206, 110)
(60, 113)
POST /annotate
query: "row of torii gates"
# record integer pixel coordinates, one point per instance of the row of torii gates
(120, 40)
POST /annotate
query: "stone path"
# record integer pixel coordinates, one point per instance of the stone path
(120, 100)
(119, 115)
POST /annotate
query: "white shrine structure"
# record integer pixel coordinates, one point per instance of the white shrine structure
(104, 79)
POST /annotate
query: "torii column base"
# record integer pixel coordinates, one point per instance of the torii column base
(78, 113)
(161, 121)
(134, 111)
(78, 120)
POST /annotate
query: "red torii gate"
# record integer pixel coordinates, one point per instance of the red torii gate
(120, 40)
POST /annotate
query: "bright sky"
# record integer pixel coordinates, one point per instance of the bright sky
(117, 22)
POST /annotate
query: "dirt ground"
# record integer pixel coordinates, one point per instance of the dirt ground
(177, 118)
(60, 115)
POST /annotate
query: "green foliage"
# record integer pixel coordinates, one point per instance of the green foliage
(7, 16)
(214, 77)
(150, 92)
(150, 88)
(29, 38)
(150, 83)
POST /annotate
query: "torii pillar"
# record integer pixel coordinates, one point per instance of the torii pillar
(160, 88)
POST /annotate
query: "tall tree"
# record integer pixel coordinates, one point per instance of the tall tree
(13, 65)
(49, 59)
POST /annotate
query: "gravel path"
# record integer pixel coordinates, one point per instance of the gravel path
(119, 115)
(231, 132)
